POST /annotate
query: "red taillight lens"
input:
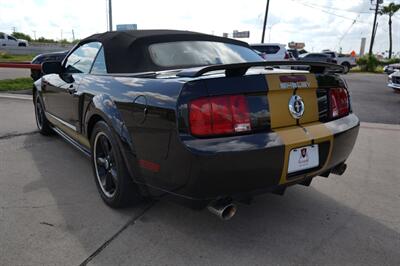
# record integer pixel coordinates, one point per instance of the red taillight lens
(219, 115)
(286, 55)
(339, 102)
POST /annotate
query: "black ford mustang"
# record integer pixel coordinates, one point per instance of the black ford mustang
(196, 117)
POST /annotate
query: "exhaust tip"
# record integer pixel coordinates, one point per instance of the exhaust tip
(224, 212)
(340, 169)
(228, 212)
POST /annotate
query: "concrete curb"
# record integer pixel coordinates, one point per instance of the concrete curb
(380, 126)
(16, 96)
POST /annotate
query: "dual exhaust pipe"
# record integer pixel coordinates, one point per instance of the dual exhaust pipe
(223, 211)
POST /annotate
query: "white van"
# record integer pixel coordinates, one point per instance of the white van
(272, 51)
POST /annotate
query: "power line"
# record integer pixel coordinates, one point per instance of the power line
(327, 12)
(338, 9)
(348, 30)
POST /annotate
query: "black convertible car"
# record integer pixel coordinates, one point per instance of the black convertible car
(198, 118)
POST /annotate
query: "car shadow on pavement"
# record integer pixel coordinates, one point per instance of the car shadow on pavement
(306, 226)
(70, 219)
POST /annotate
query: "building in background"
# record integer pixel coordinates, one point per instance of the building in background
(121, 27)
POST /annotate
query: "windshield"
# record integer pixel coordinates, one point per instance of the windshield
(200, 53)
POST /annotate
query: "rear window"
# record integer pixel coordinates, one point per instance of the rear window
(200, 53)
(267, 49)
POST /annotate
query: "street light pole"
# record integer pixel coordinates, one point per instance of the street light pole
(265, 21)
(374, 27)
(110, 15)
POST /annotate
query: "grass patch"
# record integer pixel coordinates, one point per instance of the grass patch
(16, 84)
(5, 57)
(357, 69)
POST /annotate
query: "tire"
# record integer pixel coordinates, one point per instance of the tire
(22, 45)
(42, 123)
(112, 178)
(346, 68)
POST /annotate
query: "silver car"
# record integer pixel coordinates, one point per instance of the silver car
(394, 81)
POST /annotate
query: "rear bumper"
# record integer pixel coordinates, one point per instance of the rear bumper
(241, 166)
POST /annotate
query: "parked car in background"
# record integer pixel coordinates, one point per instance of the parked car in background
(8, 40)
(394, 81)
(346, 61)
(317, 57)
(272, 51)
(294, 52)
(55, 57)
(389, 69)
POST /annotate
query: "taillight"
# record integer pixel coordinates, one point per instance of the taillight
(219, 115)
(339, 102)
(286, 55)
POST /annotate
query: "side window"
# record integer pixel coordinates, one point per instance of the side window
(273, 49)
(11, 38)
(99, 65)
(1, 35)
(81, 60)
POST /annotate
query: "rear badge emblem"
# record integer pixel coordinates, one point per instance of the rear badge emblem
(296, 106)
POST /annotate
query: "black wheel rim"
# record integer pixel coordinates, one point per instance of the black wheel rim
(105, 166)
(39, 114)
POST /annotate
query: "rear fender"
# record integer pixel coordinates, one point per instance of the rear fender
(104, 107)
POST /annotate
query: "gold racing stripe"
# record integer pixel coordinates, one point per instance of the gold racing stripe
(292, 135)
(279, 94)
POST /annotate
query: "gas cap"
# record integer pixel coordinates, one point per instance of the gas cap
(140, 109)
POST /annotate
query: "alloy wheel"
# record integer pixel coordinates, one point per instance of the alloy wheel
(105, 166)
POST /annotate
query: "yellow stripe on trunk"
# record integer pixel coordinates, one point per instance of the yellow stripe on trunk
(285, 125)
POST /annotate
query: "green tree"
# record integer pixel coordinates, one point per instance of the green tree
(390, 10)
(20, 35)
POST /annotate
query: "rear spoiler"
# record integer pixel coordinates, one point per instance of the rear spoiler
(241, 68)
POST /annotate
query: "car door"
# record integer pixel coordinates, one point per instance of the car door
(61, 91)
(11, 41)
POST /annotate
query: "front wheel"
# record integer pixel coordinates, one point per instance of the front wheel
(112, 179)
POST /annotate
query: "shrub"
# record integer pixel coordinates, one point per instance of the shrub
(368, 63)
(20, 35)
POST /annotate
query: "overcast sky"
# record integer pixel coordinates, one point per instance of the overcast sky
(321, 24)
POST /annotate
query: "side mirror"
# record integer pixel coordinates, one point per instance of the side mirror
(52, 67)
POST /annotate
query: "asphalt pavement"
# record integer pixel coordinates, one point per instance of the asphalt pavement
(372, 100)
(51, 213)
(12, 73)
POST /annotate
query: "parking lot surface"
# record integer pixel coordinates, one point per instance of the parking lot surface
(51, 213)
(372, 100)
(12, 73)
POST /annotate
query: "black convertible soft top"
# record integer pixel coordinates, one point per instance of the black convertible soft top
(127, 51)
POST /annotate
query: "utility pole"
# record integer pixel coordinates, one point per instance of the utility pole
(110, 15)
(371, 45)
(265, 21)
(73, 35)
(14, 29)
(34, 35)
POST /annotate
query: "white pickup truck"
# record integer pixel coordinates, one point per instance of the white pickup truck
(346, 61)
(8, 40)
